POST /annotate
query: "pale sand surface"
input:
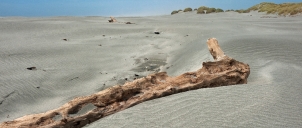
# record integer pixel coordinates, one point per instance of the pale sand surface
(79, 67)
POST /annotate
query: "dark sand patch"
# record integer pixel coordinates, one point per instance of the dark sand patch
(149, 65)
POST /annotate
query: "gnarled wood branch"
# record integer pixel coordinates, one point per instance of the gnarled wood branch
(215, 49)
(224, 71)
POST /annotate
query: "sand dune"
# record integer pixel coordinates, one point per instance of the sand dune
(80, 66)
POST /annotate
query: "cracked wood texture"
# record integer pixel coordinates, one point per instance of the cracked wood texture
(222, 72)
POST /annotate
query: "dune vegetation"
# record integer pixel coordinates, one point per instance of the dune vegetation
(200, 10)
(280, 9)
(188, 9)
(242, 11)
(270, 8)
(208, 10)
(174, 12)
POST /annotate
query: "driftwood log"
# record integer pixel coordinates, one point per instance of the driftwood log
(112, 19)
(222, 72)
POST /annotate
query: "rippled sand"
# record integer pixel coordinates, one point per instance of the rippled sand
(98, 54)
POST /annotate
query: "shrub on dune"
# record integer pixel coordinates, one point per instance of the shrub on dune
(174, 12)
(294, 12)
(242, 11)
(219, 10)
(229, 10)
(188, 10)
(202, 9)
(211, 10)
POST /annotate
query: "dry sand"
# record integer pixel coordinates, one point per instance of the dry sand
(80, 66)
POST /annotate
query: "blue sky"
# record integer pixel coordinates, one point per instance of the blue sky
(38, 8)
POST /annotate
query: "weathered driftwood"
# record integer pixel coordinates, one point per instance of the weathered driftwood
(112, 19)
(222, 72)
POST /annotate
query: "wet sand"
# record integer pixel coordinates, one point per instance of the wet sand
(98, 54)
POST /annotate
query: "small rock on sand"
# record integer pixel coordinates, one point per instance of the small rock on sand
(31, 68)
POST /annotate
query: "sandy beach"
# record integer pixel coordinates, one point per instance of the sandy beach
(79, 56)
